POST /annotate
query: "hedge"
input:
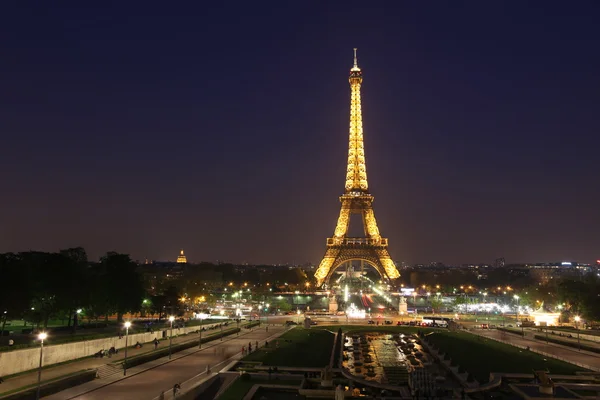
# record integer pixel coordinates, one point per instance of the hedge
(50, 388)
(508, 330)
(583, 346)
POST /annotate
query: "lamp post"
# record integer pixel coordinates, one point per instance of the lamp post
(267, 317)
(577, 319)
(200, 330)
(171, 319)
(516, 297)
(127, 326)
(298, 313)
(41, 337)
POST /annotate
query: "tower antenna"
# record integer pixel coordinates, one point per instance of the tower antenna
(355, 60)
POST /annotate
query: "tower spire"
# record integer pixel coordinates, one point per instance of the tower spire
(356, 173)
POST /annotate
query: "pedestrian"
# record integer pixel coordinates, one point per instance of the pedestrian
(249, 348)
(155, 343)
(11, 342)
(243, 350)
(256, 345)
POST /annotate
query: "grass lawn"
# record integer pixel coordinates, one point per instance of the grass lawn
(480, 356)
(239, 388)
(298, 347)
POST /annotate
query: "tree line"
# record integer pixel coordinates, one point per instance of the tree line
(39, 286)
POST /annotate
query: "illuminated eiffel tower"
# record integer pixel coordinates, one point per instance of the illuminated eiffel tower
(372, 248)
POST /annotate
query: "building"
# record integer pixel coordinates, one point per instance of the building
(181, 259)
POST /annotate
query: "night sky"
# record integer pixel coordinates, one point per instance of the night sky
(146, 127)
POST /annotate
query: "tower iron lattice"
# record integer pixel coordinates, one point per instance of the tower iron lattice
(371, 248)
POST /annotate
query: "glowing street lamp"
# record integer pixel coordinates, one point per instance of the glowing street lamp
(127, 326)
(171, 319)
(42, 336)
(267, 316)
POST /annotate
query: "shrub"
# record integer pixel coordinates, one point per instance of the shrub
(508, 330)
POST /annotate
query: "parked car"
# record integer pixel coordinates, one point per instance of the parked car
(388, 322)
(371, 322)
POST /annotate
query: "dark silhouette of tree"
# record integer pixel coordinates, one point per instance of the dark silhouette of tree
(122, 283)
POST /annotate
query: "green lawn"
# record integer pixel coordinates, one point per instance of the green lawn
(239, 388)
(298, 347)
(480, 356)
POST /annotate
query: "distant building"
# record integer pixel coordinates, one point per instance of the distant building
(181, 259)
(543, 273)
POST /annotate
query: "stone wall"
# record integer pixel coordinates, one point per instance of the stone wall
(12, 362)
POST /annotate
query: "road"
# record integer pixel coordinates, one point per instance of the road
(557, 351)
(145, 384)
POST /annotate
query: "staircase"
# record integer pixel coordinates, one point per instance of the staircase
(109, 370)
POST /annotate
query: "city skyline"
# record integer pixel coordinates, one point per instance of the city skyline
(224, 132)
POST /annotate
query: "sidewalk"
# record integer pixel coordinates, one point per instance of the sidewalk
(565, 338)
(187, 367)
(53, 372)
(582, 358)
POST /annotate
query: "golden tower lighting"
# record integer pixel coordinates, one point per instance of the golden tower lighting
(356, 199)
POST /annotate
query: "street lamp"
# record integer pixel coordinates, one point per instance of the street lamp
(577, 319)
(42, 336)
(267, 316)
(171, 319)
(516, 297)
(127, 326)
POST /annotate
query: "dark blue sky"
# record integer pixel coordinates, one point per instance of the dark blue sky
(144, 127)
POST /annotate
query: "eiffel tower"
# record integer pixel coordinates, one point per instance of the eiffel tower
(372, 248)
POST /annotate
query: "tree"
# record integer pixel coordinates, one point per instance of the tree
(281, 305)
(15, 293)
(123, 284)
(74, 271)
(436, 304)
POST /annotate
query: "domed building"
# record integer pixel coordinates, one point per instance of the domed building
(181, 259)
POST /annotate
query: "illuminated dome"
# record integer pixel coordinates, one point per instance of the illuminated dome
(181, 259)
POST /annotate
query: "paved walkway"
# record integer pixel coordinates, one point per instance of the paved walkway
(574, 356)
(564, 338)
(147, 381)
(53, 372)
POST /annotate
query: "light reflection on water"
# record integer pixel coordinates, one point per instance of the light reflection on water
(376, 357)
